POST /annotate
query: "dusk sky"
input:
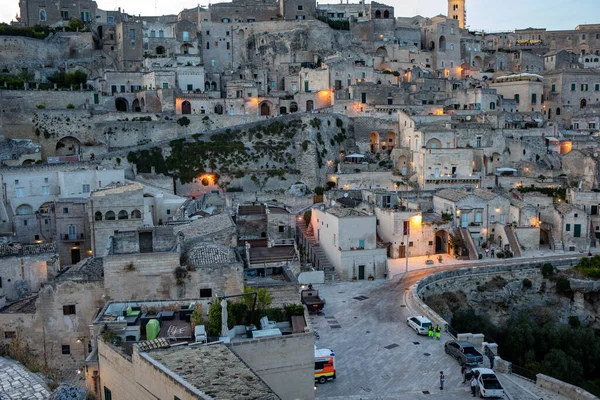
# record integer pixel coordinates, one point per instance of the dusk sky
(481, 14)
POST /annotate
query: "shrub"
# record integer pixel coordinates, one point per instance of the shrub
(319, 191)
(183, 121)
(547, 270)
(330, 185)
(563, 285)
(70, 106)
(292, 310)
(480, 256)
(40, 106)
(527, 284)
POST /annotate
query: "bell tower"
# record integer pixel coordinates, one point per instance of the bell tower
(457, 10)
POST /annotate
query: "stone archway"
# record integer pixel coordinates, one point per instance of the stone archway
(219, 109)
(378, 14)
(68, 146)
(160, 50)
(374, 141)
(310, 105)
(403, 165)
(442, 44)
(186, 107)
(136, 106)
(121, 104)
(386, 14)
(282, 110)
(441, 242)
(433, 143)
(381, 52)
(293, 107)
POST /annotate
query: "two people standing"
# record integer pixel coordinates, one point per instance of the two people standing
(434, 332)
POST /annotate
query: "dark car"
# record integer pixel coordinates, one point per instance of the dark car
(464, 352)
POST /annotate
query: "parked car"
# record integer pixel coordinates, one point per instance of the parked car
(488, 384)
(464, 352)
(420, 324)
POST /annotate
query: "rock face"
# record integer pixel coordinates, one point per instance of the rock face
(298, 190)
(499, 296)
(67, 392)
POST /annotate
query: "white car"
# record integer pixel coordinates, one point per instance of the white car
(488, 384)
(420, 324)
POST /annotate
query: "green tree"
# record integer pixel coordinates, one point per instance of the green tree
(76, 24)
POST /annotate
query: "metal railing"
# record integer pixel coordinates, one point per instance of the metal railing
(523, 372)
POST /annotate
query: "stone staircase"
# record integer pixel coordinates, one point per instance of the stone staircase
(468, 240)
(322, 262)
(513, 241)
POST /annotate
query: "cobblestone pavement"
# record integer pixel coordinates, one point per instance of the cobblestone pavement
(378, 356)
(18, 383)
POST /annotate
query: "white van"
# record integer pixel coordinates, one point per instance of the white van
(420, 324)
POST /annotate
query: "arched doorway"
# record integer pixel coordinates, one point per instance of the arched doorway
(378, 14)
(265, 109)
(441, 242)
(136, 106)
(160, 51)
(432, 45)
(582, 103)
(68, 146)
(477, 62)
(121, 104)
(381, 52)
(403, 165)
(293, 107)
(207, 86)
(219, 109)
(549, 113)
(282, 110)
(213, 86)
(310, 105)
(557, 111)
(374, 140)
(143, 104)
(442, 45)
(386, 14)
(186, 107)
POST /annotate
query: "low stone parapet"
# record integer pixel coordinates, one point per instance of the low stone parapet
(565, 389)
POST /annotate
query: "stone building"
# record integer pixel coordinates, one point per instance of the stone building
(570, 90)
(561, 59)
(526, 89)
(19, 152)
(458, 11)
(116, 208)
(569, 226)
(39, 12)
(349, 239)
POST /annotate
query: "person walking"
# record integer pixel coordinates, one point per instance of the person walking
(473, 385)
(438, 332)
(430, 331)
(487, 252)
(492, 253)
(442, 379)
(463, 372)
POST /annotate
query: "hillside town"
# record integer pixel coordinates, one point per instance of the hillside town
(168, 183)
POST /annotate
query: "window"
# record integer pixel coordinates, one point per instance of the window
(110, 20)
(361, 244)
(451, 46)
(85, 188)
(107, 394)
(186, 36)
(64, 15)
(42, 15)
(406, 227)
(584, 87)
(334, 237)
(20, 192)
(228, 45)
(65, 210)
(577, 232)
(85, 16)
(66, 349)
(16, 181)
(478, 217)
(452, 31)
(533, 98)
(204, 293)
(132, 34)
(517, 98)
(502, 219)
(168, 212)
(69, 309)
(492, 218)
(165, 85)
(161, 34)
(45, 190)
(573, 87)
(281, 228)
(568, 228)
(122, 88)
(554, 87)
(10, 334)
(300, 8)
(478, 141)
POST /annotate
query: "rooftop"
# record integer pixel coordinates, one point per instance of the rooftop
(205, 226)
(252, 210)
(117, 189)
(272, 254)
(23, 306)
(90, 269)
(457, 195)
(346, 212)
(210, 254)
(214, 370)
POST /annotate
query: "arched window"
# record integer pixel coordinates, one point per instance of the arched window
(378, 14)
(42, 15)
(123, 214)
(386, 14)
(160, 50)
(136, 214)
(109, 216)
(293, 107)
(213, 86)
(219, 109)
(24, 209)
(98, 216)
(492, 105)
(558, 111)
(207, 86)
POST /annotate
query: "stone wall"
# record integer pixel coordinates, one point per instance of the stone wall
(569, 391)
(23, 275)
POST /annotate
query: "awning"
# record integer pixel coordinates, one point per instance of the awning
(504, 169)
(355, 156)
(552, 139)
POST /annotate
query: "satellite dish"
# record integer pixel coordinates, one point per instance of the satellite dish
(345, 194)
(468, 118)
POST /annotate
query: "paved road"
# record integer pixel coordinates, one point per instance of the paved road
(18, 383)
(378, 356)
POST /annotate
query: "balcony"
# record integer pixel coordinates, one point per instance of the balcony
(78, 237)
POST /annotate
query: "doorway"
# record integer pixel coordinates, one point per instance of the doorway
(464, 220)
(361, 272)
(145, 240)
(75, 256)
(402, 251)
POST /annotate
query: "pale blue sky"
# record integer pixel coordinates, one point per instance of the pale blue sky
(491, 15)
